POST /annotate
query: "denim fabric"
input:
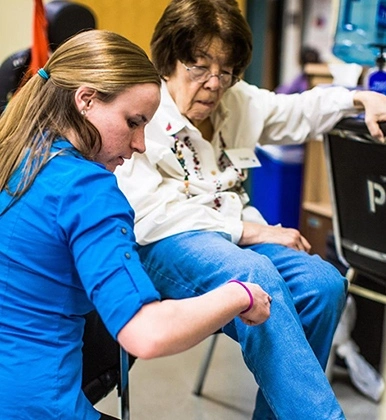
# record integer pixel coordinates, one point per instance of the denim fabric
(288, 353)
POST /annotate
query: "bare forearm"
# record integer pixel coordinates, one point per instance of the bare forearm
(172, 326)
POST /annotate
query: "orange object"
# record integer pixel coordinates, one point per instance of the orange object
(39, 49)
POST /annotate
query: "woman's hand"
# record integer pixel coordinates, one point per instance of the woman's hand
(261, 308)
(374, 105)
(254, 233)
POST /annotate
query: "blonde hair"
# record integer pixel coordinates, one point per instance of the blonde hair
(45, 109)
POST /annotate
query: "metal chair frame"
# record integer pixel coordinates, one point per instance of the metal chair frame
(197, 390)
(124, 391)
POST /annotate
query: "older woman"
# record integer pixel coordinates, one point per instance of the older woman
(67, 244)
(193, 220)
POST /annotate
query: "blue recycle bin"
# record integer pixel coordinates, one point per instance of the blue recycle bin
(276, 186)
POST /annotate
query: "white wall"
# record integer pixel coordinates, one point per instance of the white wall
(15, 26)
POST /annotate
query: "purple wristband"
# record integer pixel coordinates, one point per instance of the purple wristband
(249, 294)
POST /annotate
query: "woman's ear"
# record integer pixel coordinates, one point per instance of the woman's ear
(83, 98)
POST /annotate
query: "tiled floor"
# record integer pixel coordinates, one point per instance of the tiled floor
(161, 389)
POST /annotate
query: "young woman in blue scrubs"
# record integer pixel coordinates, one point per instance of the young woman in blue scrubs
(67, 245)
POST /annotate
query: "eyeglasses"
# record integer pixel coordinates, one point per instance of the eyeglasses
(202, 75)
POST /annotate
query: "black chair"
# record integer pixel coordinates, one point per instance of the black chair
(105, 365)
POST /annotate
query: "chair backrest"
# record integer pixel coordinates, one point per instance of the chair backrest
(65, 19)
(357, 174)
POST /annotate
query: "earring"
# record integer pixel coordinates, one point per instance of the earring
(83, 112)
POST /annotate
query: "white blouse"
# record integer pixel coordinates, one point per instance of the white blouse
(184, 182)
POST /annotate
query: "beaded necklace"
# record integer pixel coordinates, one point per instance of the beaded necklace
(197, 165)
(223, 163)
(180, 157)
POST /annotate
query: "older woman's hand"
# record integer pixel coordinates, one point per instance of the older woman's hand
(374, 105)
(254, 233)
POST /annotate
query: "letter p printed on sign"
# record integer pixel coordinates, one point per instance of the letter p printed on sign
(377, 195)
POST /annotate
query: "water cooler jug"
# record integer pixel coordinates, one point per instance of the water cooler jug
(361, 24)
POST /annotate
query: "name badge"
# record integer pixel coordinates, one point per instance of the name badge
(243, 158)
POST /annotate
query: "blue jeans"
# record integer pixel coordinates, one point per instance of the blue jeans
(288, 353)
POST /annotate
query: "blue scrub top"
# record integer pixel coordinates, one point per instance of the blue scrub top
(66, 247)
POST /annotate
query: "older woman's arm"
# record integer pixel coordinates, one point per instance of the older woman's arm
(255, 233)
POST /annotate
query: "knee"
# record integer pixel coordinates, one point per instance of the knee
(329, 285)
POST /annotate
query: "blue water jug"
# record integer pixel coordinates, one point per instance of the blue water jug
(360, 25)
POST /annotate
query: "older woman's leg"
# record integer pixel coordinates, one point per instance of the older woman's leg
(318, 292)
(278, 353)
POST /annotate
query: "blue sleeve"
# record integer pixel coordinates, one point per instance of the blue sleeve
(97, 222)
